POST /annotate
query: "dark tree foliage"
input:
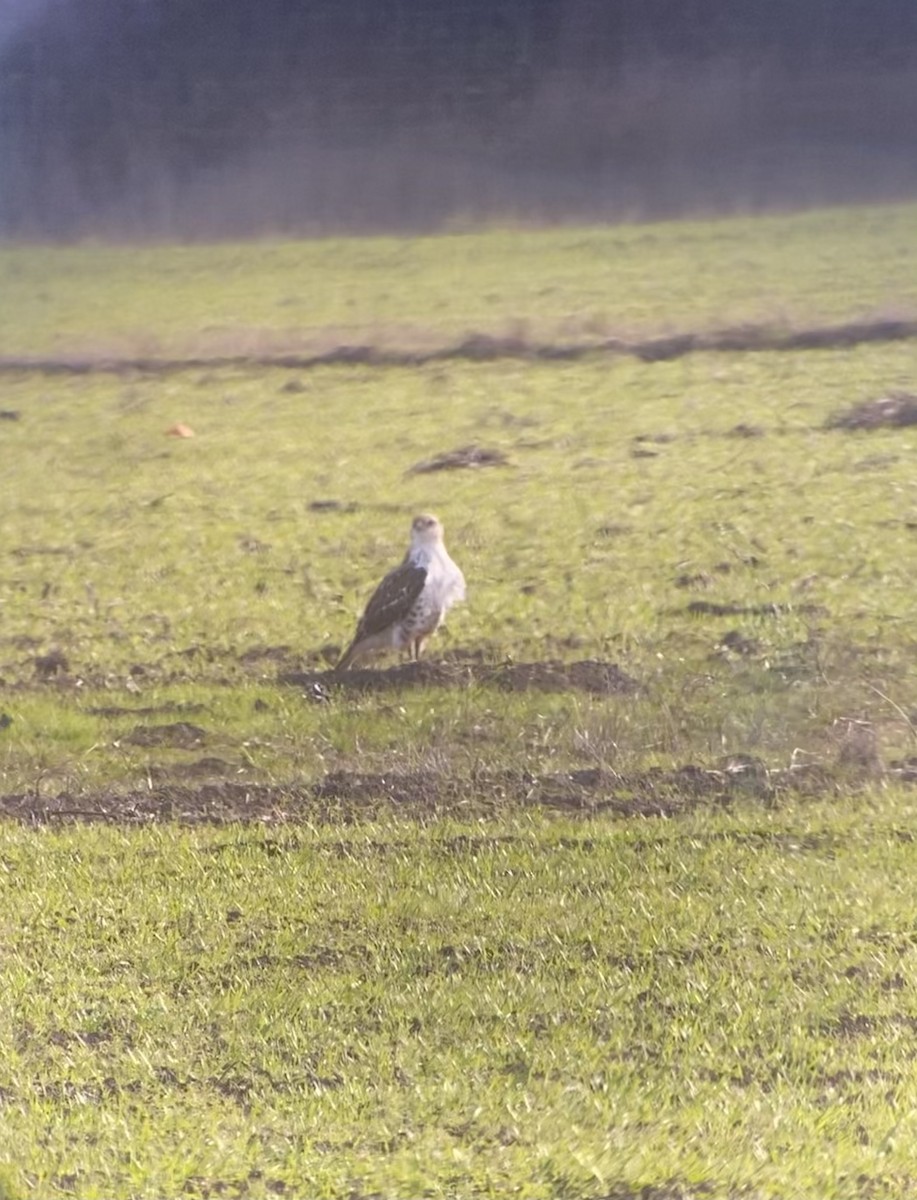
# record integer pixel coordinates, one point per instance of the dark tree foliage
(212, 117)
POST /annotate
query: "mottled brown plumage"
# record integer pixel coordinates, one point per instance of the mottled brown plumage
(410, 602)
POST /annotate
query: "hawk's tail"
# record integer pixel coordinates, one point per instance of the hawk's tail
(348, 658)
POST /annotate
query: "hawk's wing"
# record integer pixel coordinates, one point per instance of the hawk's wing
(392, 599)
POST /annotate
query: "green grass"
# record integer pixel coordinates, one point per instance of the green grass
(571, 283)
(721, 1005)
(164, 569)
(491, 998)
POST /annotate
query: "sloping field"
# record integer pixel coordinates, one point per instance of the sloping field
(566, 285)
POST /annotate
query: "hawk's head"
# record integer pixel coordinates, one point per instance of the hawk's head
(426, 529)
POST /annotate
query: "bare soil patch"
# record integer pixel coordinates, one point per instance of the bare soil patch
(148, 710)
(333, 506)
(51, 664)
(904, 769)
(589, 675)
(711, 608)
(894, 411)
(179, 735)
(347, 795)
(202, 768)
(744, 430)
(462, 459)
(483, 347)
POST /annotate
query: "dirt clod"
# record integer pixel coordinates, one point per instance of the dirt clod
(180, 735)
(736, 641)
(656, 439)
(893, 411)
(588, 675)
(53, 663)
(743, 430)
(454, 460)
(324, 506)
(692, 579)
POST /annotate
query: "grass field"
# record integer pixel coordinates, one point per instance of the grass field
(570, 283)
(611, 900)
(719, 1005)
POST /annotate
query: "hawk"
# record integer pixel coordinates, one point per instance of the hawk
(411, 601)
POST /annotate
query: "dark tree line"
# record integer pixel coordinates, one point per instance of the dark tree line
(215, 117)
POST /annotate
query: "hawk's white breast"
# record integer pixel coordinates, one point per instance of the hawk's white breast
(445, 583)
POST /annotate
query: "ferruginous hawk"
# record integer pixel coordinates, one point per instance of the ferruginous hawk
(411, 601)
